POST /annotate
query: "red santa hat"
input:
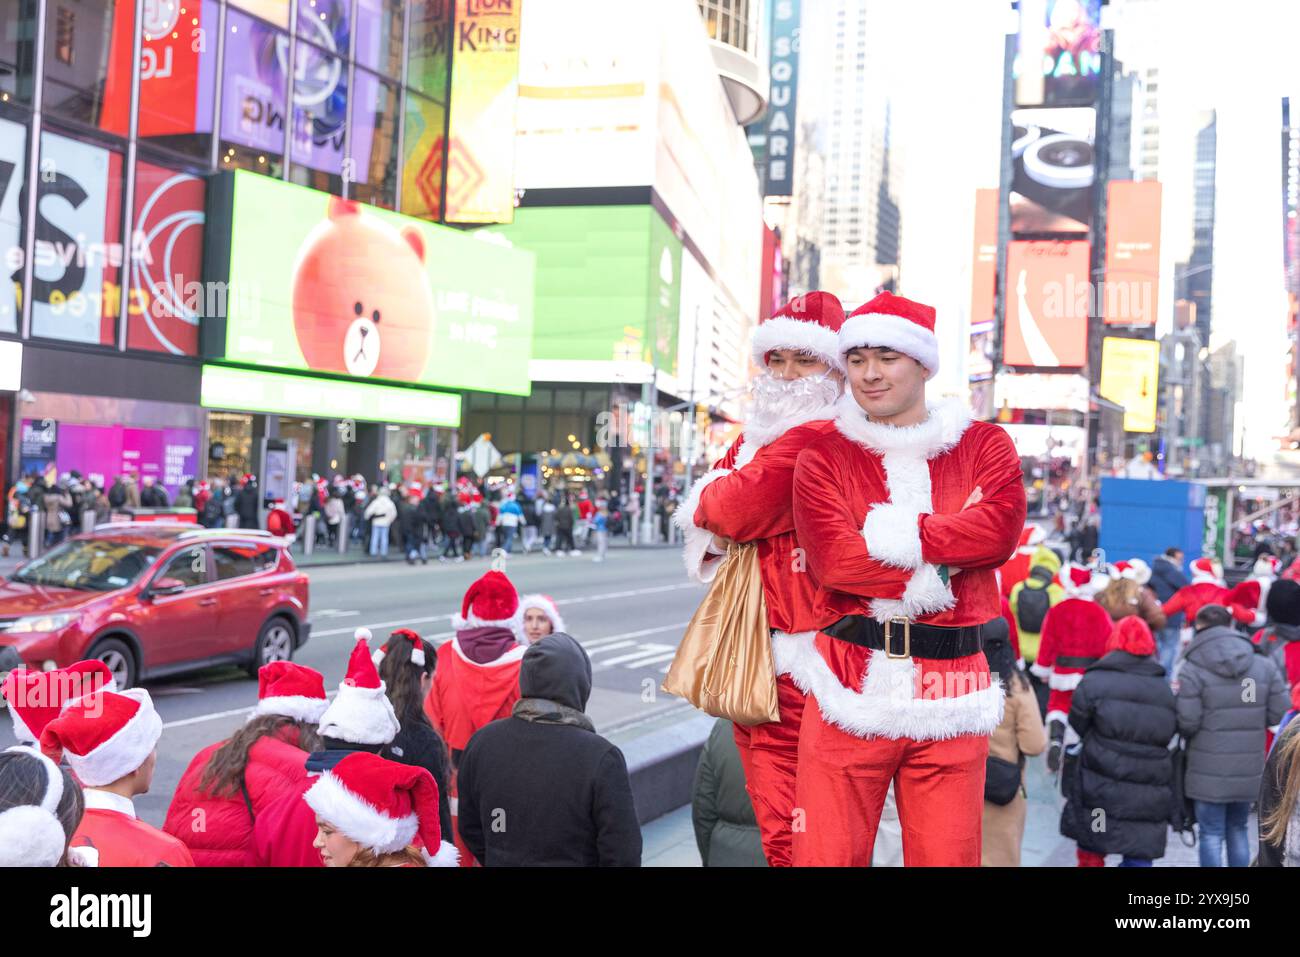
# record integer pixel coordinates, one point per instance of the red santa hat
(809, 323)
(291, 690)
(382, 805)
(105, 736)
(1207, 570)
(1080, 581)
(417, 647)
(1131, 634)
(545, 604)
(1031, 535)
(1136, 569)
(35, 698)
(361, 712)
(893, 322)
(491, 602)
(1244, 594)
(31, 835)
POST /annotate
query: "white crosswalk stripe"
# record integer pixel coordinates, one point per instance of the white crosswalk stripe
(647, 650)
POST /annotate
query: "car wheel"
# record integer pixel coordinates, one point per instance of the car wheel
(119, 659)
(274, 643)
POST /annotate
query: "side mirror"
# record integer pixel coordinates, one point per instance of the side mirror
(166, 586)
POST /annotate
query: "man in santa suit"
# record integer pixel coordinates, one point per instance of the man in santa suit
(1016, 568)
(747, 498)
(110, 740)
(1074, 636)
(1208, 588)
(904, 511)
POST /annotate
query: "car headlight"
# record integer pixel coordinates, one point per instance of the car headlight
(33, 623)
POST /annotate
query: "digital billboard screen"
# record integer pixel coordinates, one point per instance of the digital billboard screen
(1054, 170)
(1058, 53)
(1132, 253)
(1130, 373)
(1047, 305)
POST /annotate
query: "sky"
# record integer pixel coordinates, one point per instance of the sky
(943, 61)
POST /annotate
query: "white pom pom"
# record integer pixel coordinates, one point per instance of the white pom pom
(362, 632)
(378, 657)
(417, 656)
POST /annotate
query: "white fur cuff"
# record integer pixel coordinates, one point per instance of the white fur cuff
(893, 536)
(697, 539)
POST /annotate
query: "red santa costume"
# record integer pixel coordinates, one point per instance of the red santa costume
(748, 497)
(1074, 636)
(898, 686)
(275, 767)
(106, 736)
(1208, 588)
(1016, 568)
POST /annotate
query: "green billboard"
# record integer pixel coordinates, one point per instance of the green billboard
(608, 282)
(324, 284)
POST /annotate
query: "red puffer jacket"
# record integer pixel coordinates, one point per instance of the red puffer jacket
(219, 831)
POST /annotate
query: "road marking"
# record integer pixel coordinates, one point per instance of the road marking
(666, 656)
(646, 649)
(334, 613)
(614, 647)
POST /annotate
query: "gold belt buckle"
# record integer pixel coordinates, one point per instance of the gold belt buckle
(907, 636)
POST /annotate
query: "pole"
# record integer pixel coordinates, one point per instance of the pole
(650, 398)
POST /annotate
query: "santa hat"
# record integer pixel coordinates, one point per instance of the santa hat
(892, 322)
(1131, 634)
(491, 602)
(1080, 581)
(809, 323)
(361, 713)
(35, 698)
(1244, 594)
(291, 690)
(105, 736)
(1134, 569)
(546, 604)
(417, 648)
(1032, 535)
(382, 805)
(31, 835)
(1266, 566)
(1207, 570)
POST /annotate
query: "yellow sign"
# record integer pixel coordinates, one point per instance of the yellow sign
(1130, 371)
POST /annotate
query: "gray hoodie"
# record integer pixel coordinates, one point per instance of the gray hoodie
(1228, 696)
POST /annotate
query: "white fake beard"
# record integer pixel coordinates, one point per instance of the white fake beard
(775, 402)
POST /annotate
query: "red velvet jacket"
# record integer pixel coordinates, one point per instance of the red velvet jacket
(123, 841)
(877, 510)
(219, 831)
(466, 695)
(1075, 632)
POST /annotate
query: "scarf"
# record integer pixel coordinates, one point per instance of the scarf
(546, 711)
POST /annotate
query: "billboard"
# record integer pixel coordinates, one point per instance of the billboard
(1132, 253)
(984, 261)
(13, 195)
(1047, 304)
(608, 289)
(1130, 370)
(481, 127)
(1053, 170)
(350, 289)
(166, 298)
(780, 120)
(1054, 391)
(1058, 53)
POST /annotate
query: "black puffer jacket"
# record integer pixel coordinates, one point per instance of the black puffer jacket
(417, 744)
(1119, 800)
(1228, 696)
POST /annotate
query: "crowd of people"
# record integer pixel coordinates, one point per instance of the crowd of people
(476, 752)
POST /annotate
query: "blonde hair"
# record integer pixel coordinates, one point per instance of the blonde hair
(366, 857)
(1272, 828)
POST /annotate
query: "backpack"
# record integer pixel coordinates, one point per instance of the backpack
(1031, 608)
(117, 495)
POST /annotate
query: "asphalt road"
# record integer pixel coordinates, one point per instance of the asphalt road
(628, 611)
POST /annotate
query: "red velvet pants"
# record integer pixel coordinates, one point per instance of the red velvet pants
(939, 787)
(769, 754)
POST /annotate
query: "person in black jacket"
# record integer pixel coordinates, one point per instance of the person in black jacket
(541, 788)
(1167, 578)
(1119, 784)
(406, 665)
(451, 528)
(247, 502)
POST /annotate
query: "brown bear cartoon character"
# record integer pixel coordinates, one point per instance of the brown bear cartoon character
(361, 300)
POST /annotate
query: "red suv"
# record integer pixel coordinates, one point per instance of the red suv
(151, 600)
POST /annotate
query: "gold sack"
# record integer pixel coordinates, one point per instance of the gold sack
(724, 663)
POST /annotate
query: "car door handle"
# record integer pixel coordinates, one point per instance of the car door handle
(206, 602)
(266, 591)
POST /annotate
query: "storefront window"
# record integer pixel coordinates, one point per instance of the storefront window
(17, 46)
(13, 174)
(230, 444)
(325, 23)
(88, 47)
(272, 11)
(374, 141)
(167, 298)
(253, 95)
(76, 282)
(302, 432)
(320, 109)
(410, 453)
(426, 60)
(178, 70)
(422, 164)
(379, 35)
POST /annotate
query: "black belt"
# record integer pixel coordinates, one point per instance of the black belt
(903, 638)
(1075, 661)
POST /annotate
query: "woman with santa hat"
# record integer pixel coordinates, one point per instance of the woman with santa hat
(541, 617)
(369, 812)
(41, 807)
(228, 784)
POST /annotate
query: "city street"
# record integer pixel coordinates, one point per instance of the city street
(629, 612)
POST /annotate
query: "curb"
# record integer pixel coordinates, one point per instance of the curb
(662, 765)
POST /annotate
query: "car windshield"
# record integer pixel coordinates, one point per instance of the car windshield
(89, 564)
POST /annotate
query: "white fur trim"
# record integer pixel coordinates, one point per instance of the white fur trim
(360, 716)
(540, 602)
(359, 819)
(925, 594)
(892, 535)
(125, 751)
(877, 330)
(1064, 682)
(514, 654)
(1060, 716)
(697, 539)
(83, 856)
(448, 856)
(30, 836)
(887, 705)
(755, 438)
(942, 429)
(21, 731)
(514, 624)
(298, 707)
(784, 649)
(1041, 672)
(1036, 535)
(786, 332)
